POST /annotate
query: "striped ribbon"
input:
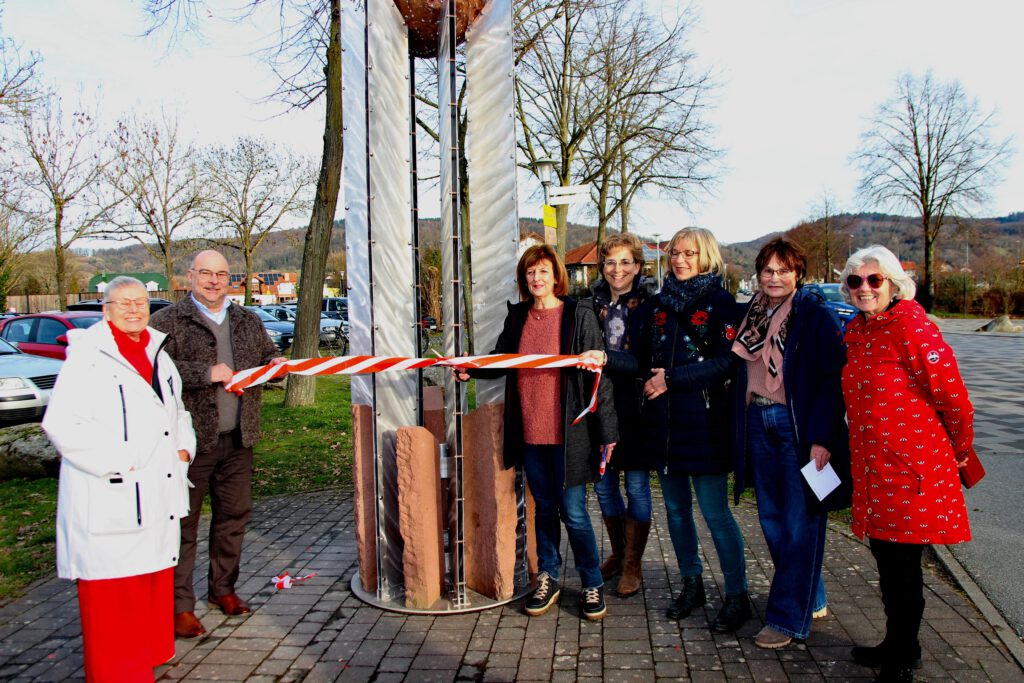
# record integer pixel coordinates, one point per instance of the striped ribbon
(366, 365)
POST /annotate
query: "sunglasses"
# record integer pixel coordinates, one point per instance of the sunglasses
(875, 281)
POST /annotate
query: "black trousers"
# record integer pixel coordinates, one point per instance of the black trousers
(227, 472)
(901, 581)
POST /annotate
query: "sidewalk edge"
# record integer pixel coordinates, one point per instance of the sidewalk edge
(1002, 629)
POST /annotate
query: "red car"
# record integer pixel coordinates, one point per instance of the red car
(46, 334)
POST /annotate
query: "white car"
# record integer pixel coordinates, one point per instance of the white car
(25, 384)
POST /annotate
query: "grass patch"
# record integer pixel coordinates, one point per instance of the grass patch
(27, 534)
(302, 449)
(307, 448)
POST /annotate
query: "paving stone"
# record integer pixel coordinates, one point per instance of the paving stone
(326, 634)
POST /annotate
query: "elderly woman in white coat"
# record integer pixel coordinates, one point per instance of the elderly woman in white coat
(126, 441)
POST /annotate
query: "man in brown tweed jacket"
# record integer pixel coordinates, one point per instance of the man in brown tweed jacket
(209, 339)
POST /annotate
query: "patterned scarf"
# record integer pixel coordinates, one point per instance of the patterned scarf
(678, 294)
(761, 324)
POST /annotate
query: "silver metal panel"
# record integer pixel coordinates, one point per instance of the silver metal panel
(391, 286)
(448, 226)
(491, 159)
(357, 228)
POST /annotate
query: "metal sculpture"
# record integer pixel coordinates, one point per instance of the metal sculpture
(381, 39)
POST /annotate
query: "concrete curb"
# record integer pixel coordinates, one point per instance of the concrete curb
(981, 601)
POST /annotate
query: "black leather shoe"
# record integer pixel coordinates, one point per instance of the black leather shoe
(895, 674)
(691, 598)
(877, 656)
(734, 614)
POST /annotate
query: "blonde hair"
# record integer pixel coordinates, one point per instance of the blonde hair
(710, 258)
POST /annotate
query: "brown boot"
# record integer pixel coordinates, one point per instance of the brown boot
(617, 538)
(636, 541)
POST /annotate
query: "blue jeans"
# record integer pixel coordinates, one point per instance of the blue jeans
(794, 531)
(638, 492)
(545, 473)
(713, 497)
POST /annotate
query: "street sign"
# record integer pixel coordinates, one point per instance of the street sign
(568, 194)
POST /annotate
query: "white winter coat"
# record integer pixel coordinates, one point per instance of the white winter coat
(123, 488)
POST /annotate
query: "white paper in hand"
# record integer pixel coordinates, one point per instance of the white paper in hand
(823, 482)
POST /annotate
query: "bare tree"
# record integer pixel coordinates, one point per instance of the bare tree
(157, 175)
(307, 61)
(658, 138)
(65, 166)
(556, 57)
(930, 149)
(19, 87)
(253, 188)
(822, 236)
(20, 233)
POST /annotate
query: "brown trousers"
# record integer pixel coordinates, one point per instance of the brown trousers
(227, 472)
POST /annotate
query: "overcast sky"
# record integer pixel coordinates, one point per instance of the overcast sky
(797, 80)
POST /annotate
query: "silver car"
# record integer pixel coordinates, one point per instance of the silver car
(25, 384)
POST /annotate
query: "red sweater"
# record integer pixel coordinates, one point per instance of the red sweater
(540, 389)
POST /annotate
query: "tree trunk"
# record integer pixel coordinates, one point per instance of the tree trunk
(59, 263)
(169, 271)
(562, 229)
(248, 277)
(926, 295)
(301, 390)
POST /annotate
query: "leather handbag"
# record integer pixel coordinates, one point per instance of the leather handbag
(973, 471)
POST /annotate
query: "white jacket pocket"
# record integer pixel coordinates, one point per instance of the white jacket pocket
(183, 489)
(115, 505)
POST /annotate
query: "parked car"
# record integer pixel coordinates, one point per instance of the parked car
(25, 384)
(335, 307)
(835, 301)
(97, 305)
(331, 329)
(46, 334)
(281, 332)
(429, 323)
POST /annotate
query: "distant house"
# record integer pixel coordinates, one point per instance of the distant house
(154, 282)
(581, 264)
(530, 239)
(267, 288)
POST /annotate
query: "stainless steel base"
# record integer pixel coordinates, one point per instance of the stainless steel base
(474, 601)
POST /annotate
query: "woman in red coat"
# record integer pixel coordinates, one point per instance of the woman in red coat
(911, 427)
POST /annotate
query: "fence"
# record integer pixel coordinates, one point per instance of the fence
(37, 303)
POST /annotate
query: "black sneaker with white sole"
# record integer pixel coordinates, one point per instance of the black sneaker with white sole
(544, 595)
(592, 603)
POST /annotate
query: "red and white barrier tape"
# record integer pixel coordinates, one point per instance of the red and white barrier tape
(365, 365)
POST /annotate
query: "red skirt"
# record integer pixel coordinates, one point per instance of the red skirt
(127, 626)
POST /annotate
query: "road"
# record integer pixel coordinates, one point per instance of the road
(993, 369)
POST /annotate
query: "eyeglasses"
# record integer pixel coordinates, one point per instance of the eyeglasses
(128, 304)
(211, 275)
(624, 263)
(688, 253)
(875, 281)
(769, 273)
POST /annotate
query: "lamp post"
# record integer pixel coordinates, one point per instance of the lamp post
(544, 167)
(849, 246)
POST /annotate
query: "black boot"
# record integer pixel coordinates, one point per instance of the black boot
(895, 674)
(734, 614)
(691, 597)
(877, 656)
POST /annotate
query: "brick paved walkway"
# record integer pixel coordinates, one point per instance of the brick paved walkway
(319, 631)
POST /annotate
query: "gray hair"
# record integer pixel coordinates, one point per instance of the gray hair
(120, 282)
(888, 265)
